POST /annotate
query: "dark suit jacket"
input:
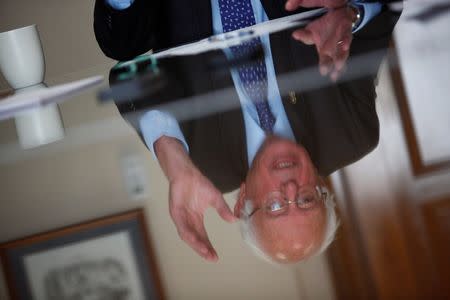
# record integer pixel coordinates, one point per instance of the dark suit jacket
(159, 24)
(337, 124)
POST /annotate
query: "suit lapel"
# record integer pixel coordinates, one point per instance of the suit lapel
(274, 8)
(291, 56)
(232, 127)
(203, 17)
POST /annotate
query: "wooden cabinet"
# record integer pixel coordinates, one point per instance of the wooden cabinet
(394, 242)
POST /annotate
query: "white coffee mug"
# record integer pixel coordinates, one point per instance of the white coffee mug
(39, 126)
(21, 57)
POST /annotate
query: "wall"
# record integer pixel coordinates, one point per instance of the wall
(51, 191)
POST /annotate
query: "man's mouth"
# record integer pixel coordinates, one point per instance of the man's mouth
(285, 165)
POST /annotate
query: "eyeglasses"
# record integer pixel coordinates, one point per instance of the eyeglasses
(276, 203)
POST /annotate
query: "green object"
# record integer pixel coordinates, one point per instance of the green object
(129, 69)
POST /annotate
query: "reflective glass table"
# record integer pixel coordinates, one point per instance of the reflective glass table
(224, 149)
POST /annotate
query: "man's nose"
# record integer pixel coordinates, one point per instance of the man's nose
(290, 190)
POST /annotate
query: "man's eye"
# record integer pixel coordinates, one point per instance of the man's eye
(306, 201)
(275, 206)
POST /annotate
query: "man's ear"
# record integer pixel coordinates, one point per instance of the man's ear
(240, 201)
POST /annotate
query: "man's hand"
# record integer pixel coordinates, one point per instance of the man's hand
(190, 195)
(332, 36)
(294, 4)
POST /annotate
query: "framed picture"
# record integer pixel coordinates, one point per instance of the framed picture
(109, 258)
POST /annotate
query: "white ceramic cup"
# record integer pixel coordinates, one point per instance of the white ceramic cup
(21, 57)
(39, 126)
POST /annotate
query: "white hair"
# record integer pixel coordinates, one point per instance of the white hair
(247, 232)
(331, 226)
(332, 223)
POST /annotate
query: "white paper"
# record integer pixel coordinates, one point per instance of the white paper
(236, 37)
(21, 102)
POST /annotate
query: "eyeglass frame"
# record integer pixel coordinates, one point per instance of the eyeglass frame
(321, 190)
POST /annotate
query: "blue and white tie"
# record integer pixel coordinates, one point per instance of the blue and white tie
(236, 14)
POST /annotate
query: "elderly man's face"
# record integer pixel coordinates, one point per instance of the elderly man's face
(284, 169)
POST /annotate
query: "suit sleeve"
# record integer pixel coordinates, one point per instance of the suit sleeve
(360, 93)
(124, 34)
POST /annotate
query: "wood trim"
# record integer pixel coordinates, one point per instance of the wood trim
(352, 276)
(137, 214)
(361, 272)
(436, 215)
(418, 166)
(385, 231)
(6, 93)
(8, 275)
(151, 258)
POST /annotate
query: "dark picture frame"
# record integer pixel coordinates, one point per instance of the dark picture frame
(111, 255)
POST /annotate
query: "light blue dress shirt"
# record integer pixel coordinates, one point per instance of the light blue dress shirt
(120, 4)
(254, 134)
(155, 124)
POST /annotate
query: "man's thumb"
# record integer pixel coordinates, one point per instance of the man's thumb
(224, 211)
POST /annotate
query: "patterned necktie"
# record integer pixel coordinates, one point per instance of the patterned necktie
(236, 14)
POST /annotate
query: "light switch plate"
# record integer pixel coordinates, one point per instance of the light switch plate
(135, 176)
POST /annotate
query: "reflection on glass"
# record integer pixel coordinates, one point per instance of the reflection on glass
(313, 125)
(280, 136)
(22, 64)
